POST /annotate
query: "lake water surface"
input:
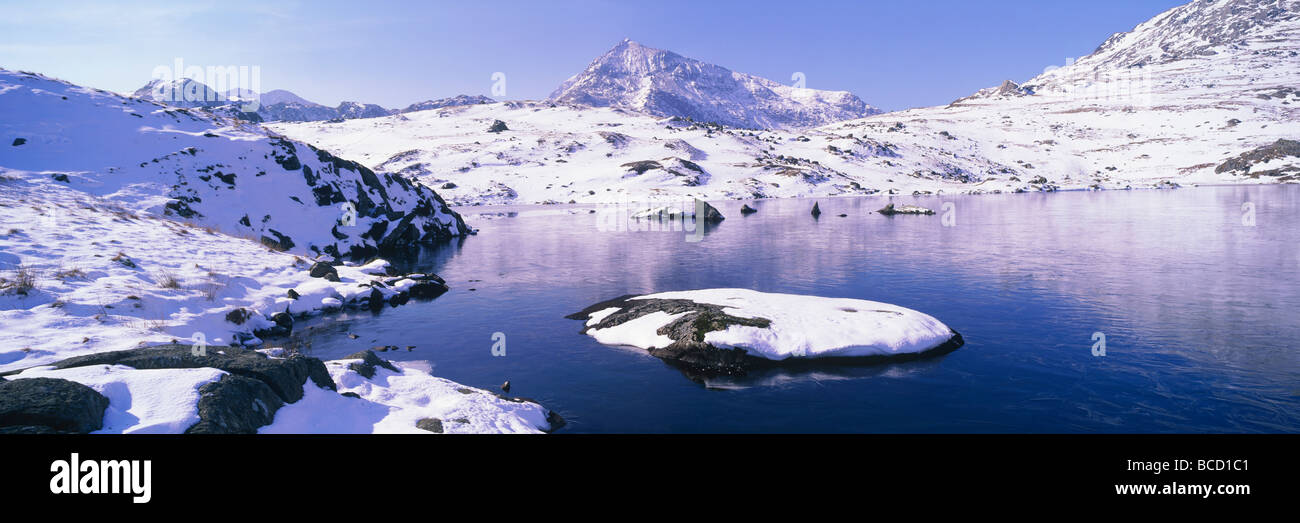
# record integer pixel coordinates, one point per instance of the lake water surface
(1197, 306)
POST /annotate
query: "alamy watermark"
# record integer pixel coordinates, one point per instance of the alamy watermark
(499, 344)
(1098, 344)
(1132, 86)
(220, 80)
(686, 216)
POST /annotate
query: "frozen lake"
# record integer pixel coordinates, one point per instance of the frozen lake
(1195, 290)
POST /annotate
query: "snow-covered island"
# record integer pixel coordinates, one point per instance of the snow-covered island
(727, 331)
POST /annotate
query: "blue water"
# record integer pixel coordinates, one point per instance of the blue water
(1198, 309)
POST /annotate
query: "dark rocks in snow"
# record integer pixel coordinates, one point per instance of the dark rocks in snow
(448, 185)
(180, 208)
(430, 424)
(238, 316)
(49, 405)
(1244, 162)
(689, 350)
(284, 376)
(293, 294)
(19, 141)
(324, 270)
(505, 387)
(642, 166)
(60, 177)
(369, 362)
(241, 401)
(283, 322)
(274, 240)
(498, 126)
(428, 289)
(235, 404)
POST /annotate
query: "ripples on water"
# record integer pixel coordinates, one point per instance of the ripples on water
(1198, 310)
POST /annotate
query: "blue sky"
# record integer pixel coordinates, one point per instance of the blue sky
(893, 54)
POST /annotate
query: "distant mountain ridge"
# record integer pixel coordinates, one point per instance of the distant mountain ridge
(663, 83)
(278, 105)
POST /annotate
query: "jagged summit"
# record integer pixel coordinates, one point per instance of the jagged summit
(659, 82)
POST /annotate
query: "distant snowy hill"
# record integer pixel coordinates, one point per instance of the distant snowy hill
(663, 83)
(281, 96)
(181, 93)
(277, 105)
(210, 170)
(447, 102)
(1171, 102)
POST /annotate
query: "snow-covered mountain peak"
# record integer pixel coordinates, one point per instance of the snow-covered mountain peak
(1201, 29)
(182, 92)
(197, 167)
(663, 83)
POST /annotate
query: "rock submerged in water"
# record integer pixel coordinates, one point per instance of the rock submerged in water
(890, 210)
(816, 210)
(746, 209)
(729, 331)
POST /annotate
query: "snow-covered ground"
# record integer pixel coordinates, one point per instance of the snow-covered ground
(395, 402)
(125, 223)
(103, 277)
(1101, 122)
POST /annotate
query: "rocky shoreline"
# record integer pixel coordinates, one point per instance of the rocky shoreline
(252, 388)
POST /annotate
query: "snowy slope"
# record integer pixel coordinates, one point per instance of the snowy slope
(663, 83)
(126, 223)
(211, 171)
(460, 99)
(1097, 123)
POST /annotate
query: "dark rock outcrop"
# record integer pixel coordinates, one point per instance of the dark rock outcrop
(369, 362)
(235, 405)
(430, 424)
(285, 376)
(689, 350)
(1242, 164)
(49, 405)
(240, 402)
(324, 270)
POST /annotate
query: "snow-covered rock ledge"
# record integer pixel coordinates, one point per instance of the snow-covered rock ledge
(727, 331)
(170, 389)
(80, 275)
